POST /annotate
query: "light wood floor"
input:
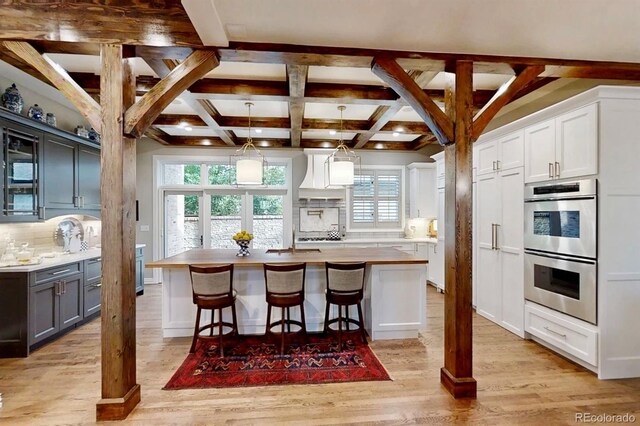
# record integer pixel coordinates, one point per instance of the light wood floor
(519, 382)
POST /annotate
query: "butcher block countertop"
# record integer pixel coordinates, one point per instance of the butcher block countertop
(258, 257)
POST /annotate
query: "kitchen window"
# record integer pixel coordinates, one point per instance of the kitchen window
(376, 200)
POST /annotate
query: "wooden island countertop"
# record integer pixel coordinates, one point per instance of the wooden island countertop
(373, 256)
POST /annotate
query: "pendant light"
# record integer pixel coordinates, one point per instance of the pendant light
(249, 161)
(341, 163)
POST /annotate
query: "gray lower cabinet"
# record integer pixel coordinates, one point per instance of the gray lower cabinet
(44, 311)
(92, 286)
(139, 270)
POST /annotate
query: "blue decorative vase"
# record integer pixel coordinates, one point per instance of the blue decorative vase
(36, 113)
(244, 247)
(12, 99)
(94, 136)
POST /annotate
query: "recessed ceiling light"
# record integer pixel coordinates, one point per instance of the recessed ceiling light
(396, 134)
(188, 129)
(399, 129)
(258, 130)
(378, 146)
(327, 144)
(265, 143)
(332, 132)
(182, 124)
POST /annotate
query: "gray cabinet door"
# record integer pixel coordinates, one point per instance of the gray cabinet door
(92, 295)
(89, 178)
(60, 176)
(44, 311)
(71, 306)
(139, 275)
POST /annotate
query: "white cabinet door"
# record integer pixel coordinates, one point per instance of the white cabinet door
(440, 180)
(511, 151)
(422, 194)
(487, 157)
(489, 298)
(539, 151)
(510, 242)
(441, 214)
(436, 261)
(577, 143)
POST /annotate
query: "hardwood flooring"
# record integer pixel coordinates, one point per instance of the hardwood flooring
(519, 382)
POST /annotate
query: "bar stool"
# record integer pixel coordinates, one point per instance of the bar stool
(285, 289)
(345, 287)
(213, 289)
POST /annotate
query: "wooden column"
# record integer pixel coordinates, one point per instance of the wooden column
(120, 392)
(456, 375)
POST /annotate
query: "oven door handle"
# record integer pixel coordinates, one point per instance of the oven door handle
(561, 257)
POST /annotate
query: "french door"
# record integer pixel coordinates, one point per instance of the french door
(209, 219)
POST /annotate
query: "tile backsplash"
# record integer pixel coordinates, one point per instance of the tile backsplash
(40, 235)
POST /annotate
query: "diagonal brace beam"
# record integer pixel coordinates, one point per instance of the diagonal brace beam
(140, 116)
(388, 70)
(502, 97)
(85, 104)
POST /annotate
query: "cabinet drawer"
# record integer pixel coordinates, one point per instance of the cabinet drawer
(93, 269)
(92, 294)
(407, 248)
(57, 272)
(569, 334)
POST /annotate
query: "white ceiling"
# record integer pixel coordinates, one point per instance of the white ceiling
(569, 29)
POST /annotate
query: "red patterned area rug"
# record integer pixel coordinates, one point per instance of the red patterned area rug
(256, 361)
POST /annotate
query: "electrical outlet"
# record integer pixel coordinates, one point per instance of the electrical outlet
(144, 228)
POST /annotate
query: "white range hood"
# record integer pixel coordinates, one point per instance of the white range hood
(313, 185)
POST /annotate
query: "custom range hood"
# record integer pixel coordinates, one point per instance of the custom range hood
(314, 184)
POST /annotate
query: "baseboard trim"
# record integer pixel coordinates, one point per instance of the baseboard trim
(458, 387)
(118, 408)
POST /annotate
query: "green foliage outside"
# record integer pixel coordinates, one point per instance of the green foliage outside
(229, 205)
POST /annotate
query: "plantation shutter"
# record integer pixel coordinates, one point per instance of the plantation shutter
(363, 201)
(376, 199)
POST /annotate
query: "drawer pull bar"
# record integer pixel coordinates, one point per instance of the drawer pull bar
(97, 285)
(555, 332)
(60, 272)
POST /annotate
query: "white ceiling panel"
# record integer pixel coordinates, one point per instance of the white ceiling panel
(249, 71)
(330, 111)
(196, 131)
(401, 137)
(343, 75)
(91, 64)
(326, 134)
(265, 134)
(406, 113)
(259, 108)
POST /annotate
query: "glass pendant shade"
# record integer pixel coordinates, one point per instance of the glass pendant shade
(341, 172)
(249, 172)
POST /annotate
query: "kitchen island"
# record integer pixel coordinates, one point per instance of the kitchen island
(395, 290)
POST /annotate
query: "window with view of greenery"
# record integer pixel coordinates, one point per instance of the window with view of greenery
(225, 174)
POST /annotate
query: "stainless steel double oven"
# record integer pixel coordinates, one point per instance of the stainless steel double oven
(561, 247)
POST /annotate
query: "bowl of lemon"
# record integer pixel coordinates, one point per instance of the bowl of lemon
(243, 239)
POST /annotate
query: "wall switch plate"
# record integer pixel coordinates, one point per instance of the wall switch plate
(144, 228)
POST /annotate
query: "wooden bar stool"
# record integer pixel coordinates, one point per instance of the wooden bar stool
(213, 289)
(285, 289)
(345, 287)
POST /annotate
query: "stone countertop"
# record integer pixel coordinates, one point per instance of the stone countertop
(61, 259)
(374, 241)
(258, 257)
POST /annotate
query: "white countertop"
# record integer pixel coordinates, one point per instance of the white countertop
(374, 241)
(61, 259)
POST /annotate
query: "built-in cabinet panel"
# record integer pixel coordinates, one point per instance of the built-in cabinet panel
(422, 199)
(511, 151)
(71, 301)
(89, 178)
(44, 311)
(487, 156)
(488, 293)
(540, 151)
(60, 174)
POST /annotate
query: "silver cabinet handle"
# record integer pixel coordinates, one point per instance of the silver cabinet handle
(64, 287)
(550, 170)
(97, 285)
(435, 248)
(498, 165)
(493, 236)
(493, 166)
(82, 201)
(557, 168)
(555, 332)
(60, 272)
(76, 201)
(55, 288)
(495, 227)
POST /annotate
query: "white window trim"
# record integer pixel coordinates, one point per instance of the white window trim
(158, 193)
(402, 201)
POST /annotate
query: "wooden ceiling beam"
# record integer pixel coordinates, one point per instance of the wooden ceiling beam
(140, 116)
(297, 79)
(157, 135)
(85, 104)
(391, 73)
(502, 97)
(423, 141)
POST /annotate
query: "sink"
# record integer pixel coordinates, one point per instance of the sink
(290, 250)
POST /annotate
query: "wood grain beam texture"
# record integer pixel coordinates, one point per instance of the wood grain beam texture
(140, 116)
(390, 72)
(297, 79)
(502, 97)
(85, 104)
(120, 392)
(456, 375)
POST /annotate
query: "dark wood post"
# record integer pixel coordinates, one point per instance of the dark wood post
(120, 392)
(456, 375)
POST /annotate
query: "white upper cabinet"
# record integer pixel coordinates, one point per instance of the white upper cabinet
(577, 143)
(422, 190)
(563, 147)
(539, 151)
(504, 153)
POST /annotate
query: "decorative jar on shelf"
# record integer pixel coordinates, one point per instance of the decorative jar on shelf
(81, 131)
(12, 99)
(36, 113)
(243, 239)
(51, 119)
(94, 136)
